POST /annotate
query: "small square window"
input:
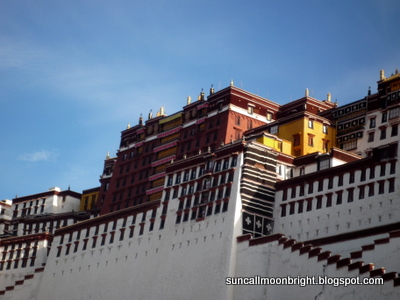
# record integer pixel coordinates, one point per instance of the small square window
(350, 145)
(311, 124)
(372, 123)
(319, 202)
(339, 198)
(351, 177)
(328, 200)
(384, 117)
(381, 186)
(237, 120)
(309, 205)
(394, 113)
(274, 129)
(323, 164)
(291, 209)
(310, 141)
(395, 130)
(383, 169)
(371, 190)
(350, 195)
(300, 207)
(371, 136)
(372, 173)
(296, 140)
(361, 194)
(383, 133)
(283, 210)
(391, 185)
(310, 187)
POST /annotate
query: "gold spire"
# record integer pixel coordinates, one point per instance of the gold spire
(382, 75)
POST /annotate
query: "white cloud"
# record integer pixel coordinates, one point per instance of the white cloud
(42, 155)
(19, 54)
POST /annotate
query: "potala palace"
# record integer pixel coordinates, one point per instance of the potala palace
(224, 199)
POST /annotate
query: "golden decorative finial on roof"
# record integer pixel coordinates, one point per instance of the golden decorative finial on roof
(231, 84)
(382, 75)
(140, 120)
(307, 93)
(129, 126)
(108, 155)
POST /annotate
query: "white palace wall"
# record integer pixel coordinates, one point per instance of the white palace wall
(22, 264)
(357, 203)
(276, 257)
(181, 261)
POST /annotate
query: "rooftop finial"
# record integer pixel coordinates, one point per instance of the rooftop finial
(231, 82)
(129, 126)
(141, 120)
(108, 155)
(369, 91)
(202, 94)
(189, 100)
(307, 93)
(382, 75)
(397, 71)
(150, 114)
(212, 90)
(329, 97)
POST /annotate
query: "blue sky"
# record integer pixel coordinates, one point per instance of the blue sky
(74, 73)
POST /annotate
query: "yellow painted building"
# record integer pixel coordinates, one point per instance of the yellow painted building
(274, 142)
(89, 199)
(308, 134)
(300, 136)
(301, 127)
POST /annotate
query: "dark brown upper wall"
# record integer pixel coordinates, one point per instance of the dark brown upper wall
(308, 104)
